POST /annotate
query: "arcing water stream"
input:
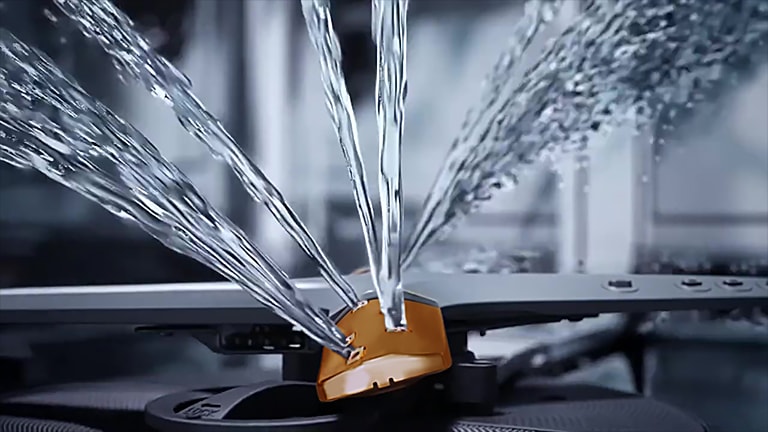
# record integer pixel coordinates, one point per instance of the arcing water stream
(50, 124)
(134, 57)
(389, 33)
(317, 14)
(537, 14)
(388, 26)
(623, 60)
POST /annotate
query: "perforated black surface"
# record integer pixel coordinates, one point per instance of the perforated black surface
(115, 396)
(549, 405)
(20, 424)
(102, 406)
(473, 427)
(533, 408)
(608, 415)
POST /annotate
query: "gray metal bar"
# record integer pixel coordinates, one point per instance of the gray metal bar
(468, 300)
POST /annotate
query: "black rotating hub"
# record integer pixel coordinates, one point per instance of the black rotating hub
(433, 403)
(469, 397)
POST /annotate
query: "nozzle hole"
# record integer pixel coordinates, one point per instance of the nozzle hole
(356, 355)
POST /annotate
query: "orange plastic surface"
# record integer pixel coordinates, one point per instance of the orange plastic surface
(385, 360)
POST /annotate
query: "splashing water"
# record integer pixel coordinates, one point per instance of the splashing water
(623, 60)
(537, 14)
(317, 15)
(50, 124)
(458, 259)
(389, 33)
(133, 56)
(388, 25)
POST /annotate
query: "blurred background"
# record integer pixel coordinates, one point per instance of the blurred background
(696, 204)
(699, 203)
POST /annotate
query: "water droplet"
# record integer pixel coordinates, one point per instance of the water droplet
(51, 17)
(662, 317)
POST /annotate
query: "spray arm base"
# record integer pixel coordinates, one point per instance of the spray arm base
(386, 360)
